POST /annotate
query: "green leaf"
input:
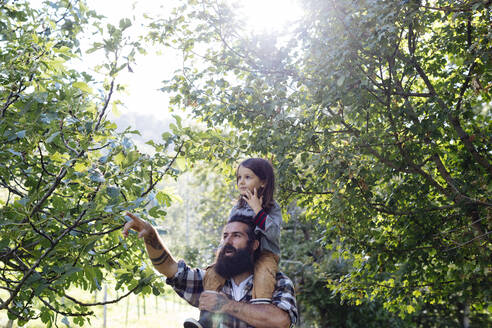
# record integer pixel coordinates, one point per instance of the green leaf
(96, 176)
(340, 80)
(80, 167)
(82, 86)
(52, 137)
(163, 199)
(125, 23)
(181, 163)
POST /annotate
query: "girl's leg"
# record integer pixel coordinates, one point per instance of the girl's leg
(266, 268)
(212, 280)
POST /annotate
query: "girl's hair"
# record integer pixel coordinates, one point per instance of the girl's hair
(263, 170)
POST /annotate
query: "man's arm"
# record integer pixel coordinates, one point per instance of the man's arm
(159, 255)
(256, 315)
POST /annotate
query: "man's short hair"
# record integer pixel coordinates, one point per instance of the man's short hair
(248, 220)
(252, 236)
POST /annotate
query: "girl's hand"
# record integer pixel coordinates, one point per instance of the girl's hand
(253, 201)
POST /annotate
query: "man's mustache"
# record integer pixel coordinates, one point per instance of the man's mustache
(228, 247)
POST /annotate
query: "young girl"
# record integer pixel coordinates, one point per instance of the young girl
(256, 182)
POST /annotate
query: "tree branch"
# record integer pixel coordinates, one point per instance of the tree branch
(455, 122)
(105, 106)
(62, 136)
(465, 8)
(153, 184)
(485, 234)
(42, 162)
(413, 94)
(4, 184)
(309, 192)
(102, 303)
(13, 96)
(6, 303)
(68, 314)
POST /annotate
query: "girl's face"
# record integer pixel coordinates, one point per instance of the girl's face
(248, 180)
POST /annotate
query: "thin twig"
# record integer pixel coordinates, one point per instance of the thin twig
(467, 242)
(106, 103)
(102, 303)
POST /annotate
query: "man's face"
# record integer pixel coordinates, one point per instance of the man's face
(236, 254)
(236, 235)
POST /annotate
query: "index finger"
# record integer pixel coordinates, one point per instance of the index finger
(134, 224)
(134, 217)
(126, 228)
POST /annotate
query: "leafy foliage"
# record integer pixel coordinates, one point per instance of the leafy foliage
(376, 115)
(65, 173)
(305, 258)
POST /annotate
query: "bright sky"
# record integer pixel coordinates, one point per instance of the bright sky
(150, 71)
(145, 107)
(268, 15)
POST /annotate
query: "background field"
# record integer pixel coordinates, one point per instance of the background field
(152, 311)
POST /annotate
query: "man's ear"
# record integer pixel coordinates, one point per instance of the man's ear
(256, 244)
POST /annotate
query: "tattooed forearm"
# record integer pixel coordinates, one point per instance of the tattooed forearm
(221, 301)
(161, 259)
(153, 241)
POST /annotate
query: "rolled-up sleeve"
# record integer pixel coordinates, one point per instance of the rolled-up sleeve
(187, 283)
(284, 297)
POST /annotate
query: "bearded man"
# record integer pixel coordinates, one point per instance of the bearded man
(231, 306)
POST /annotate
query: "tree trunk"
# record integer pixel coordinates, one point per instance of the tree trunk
(466, 315)
(127, 309)
(105, 305)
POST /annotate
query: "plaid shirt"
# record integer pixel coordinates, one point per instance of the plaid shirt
(188, 284)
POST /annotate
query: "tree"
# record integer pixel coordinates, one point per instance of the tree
(377, 117)
(66, 174)
(305, 258)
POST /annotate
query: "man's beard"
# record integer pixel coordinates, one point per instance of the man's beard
(232, 265)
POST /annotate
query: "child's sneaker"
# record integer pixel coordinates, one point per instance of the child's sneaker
(192, 323)
(205, 321)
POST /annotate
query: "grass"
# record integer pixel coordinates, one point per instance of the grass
(134, 311)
